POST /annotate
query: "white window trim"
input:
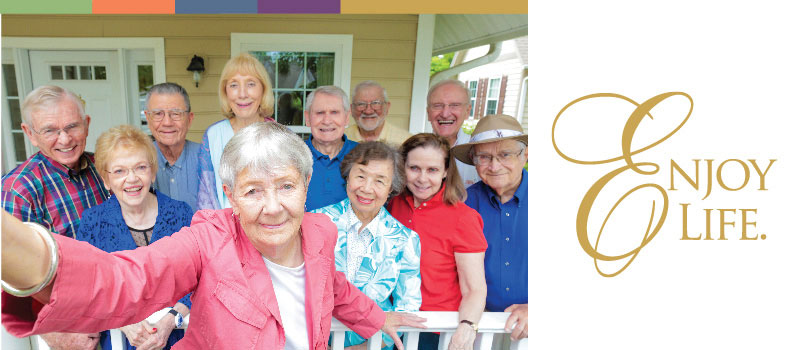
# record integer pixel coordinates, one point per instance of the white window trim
(340, 44)
(21, 45)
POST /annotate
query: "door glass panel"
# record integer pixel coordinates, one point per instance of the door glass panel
(15, 114)
(70, 73)
(10, 80)
(56, 73)
(145, 75)
(19, 147)
(85, 72)
(99, 72)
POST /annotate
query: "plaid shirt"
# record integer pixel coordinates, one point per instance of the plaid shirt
(46, 192)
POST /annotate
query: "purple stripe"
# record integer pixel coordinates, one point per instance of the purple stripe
(299, 6)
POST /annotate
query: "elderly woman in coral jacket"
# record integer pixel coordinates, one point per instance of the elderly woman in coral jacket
(262, 271)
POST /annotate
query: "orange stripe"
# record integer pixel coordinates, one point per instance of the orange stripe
(131, 7)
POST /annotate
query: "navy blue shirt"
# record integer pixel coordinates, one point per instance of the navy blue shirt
(179, 181)
(505, 226)
(327, 185)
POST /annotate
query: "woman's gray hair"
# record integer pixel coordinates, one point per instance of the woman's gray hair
(376, 150)
(329, 90)
(262, 147)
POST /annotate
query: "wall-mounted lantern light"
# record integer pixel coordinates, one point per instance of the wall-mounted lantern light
(197, 66)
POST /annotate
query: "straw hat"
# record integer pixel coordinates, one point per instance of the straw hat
(491, 128)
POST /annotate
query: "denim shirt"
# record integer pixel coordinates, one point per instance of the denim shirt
(390, 266)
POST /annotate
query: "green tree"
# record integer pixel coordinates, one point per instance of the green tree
(441, 62)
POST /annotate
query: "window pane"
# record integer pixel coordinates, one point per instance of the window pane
(473, 89)
(491, 107)
(86, 72)
(494, 88)
(290, 70)
(145, 77)
(70, 73)
(10, 80)
(268, 60)
(320, 69)
(472, 107)
(15, 114)
(290, 108)
(19, 146)
(56, 73)
(99, 73)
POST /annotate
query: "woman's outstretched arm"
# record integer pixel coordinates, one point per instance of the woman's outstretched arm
(25, 257)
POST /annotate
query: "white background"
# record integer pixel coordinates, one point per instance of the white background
(740, 62)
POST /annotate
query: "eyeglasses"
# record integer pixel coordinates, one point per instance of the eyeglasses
(377, 104)
(174, 114)
(121, 172)
(441, 106)
(504, 157)
(74, 130)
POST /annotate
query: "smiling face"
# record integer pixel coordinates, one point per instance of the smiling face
(502, 177)
(65, 147)
(327, 118)
(129, 175)
(370, 118)
(167, 131)
(368, 187)
(447, 120)
(269, 206)
(425, 173)
(244, 93)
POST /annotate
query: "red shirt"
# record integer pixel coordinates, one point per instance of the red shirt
(443, 231)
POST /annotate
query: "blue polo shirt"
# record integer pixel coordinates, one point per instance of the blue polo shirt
(327, 185)
(180, 181)
(505, 226)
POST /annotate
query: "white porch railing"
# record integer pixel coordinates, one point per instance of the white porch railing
(444, 322)
(491, 324)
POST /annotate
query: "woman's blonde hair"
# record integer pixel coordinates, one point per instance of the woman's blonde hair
(127, 137)
(454, 191)
(246, 64)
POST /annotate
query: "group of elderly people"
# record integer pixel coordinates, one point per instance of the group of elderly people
(299, 231)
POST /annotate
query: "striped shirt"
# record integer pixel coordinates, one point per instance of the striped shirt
(46, 192)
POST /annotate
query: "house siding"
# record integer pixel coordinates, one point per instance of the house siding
(383, 47)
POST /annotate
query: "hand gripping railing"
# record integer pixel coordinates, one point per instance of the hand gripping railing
(444, 322)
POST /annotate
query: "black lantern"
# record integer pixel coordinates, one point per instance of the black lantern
(197, 66)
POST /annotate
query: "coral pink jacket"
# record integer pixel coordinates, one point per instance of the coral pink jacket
(233, 305)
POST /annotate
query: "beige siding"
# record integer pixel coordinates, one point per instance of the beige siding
(383, 47)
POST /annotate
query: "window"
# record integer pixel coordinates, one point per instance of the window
(473, 92)
(492, 96)
(144, 74)
(77, 72)
(297, 64)
(294, 76)
(14, 120)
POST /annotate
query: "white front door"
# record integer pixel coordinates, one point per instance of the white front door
(94, 76)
